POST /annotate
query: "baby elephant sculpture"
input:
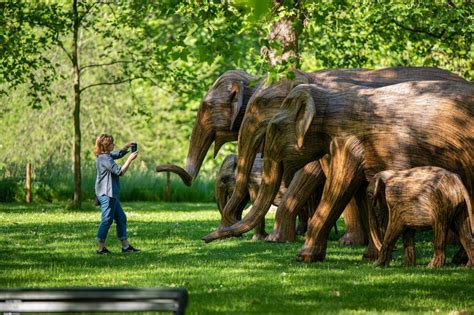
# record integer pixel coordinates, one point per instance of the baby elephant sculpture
(419, 198)
(225, 185)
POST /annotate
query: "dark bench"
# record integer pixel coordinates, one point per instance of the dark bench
(15, 301)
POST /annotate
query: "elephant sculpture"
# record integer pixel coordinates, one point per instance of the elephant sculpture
(218, 120)
(365, 131)
(264, 104)
(225, 181)
(225, 185)
(422, 197)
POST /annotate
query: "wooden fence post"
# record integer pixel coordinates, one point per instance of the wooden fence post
(28, 182)
(168, 188)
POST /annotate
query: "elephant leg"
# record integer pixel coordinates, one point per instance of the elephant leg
(355, 232)
(351, 216)
(305, 182)
(229, 218)
(409, 247)
(371, 253)
(465, 254)
(452, 238)
(394, 230)
(345, 176)
(307, 211)
(260, 233)
(303, 217)
(351, 220)
(440, 233)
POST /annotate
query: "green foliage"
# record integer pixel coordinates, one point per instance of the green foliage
(175, 50)
(46, 246)
(8, 190)
(374, 34)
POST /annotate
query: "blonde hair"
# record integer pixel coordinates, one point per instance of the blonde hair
(102, 144)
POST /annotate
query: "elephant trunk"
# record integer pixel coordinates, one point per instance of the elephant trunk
(248, 148)
(271, 181)
(185, 177)
(201, 139)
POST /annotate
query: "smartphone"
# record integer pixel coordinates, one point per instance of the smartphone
(134, 147)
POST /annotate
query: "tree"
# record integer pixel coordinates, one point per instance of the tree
(357, 33)
(166, 42)
(283, 37)
(159, 57)
(59, 26)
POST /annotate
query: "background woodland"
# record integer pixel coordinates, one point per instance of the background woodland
(71, 70)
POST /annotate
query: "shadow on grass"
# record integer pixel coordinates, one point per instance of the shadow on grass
(232, 275)
(88, 206)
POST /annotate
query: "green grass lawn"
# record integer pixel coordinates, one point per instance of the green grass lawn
(44, 245)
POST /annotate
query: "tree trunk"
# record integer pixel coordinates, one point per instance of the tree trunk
(77, 109)
(168, 188)
(286, 35)
(28, 182)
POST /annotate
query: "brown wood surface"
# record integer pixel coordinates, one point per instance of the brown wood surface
(420, 198)
(368, 130)
(265, 104)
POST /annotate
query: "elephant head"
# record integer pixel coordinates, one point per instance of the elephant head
(378, 217)
(218, 120)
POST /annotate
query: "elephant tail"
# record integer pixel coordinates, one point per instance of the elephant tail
(468, 201)
(374, 227)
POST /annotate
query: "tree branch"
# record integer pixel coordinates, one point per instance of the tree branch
(105, 64)
(87, 12)
(114, 82)
(438, 36)
(60, 44)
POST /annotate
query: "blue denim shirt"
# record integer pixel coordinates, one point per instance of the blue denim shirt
(108, 172)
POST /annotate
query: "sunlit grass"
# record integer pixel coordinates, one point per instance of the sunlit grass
(46, 246)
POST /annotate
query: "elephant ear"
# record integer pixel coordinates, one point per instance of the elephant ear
(380, 180)
(304, 116)
(374, 225)
(238, 105)
(379, 184)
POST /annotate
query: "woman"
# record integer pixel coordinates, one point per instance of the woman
(107, 188)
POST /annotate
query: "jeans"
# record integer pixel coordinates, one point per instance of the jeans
(111, 210)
